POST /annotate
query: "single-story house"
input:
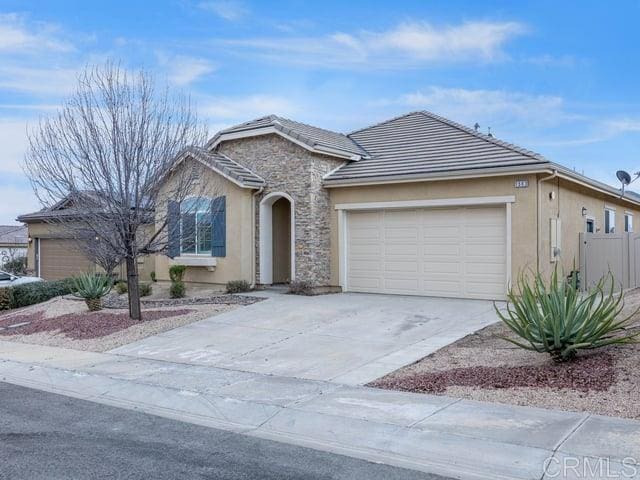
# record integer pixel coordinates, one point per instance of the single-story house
(415, 205)
(13, 242)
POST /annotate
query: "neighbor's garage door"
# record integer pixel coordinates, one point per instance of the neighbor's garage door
(60, 258)
(453, 252)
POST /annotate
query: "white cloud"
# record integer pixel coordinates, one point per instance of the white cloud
(406, 45)
(13, 138)
(225, 9)
(469, 106)
(599, 130)
(22, 200)
(18, 37)
(183, 70)
(224, 110)
(622, 125)
(39, 80)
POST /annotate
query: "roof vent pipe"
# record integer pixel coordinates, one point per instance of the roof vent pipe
(476, 127)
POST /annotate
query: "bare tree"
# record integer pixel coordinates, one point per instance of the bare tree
(98, 251)
(113, 146)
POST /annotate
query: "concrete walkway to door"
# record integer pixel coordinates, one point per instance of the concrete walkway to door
(345, 338)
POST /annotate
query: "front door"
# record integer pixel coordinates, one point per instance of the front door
(281, 228)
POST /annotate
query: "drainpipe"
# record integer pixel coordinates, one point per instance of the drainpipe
(539, 214)
(253, 236)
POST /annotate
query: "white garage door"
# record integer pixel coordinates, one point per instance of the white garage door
(452, 252)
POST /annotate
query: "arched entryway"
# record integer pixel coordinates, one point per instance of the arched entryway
(277, 239)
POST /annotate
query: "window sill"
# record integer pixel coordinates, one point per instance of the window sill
(196, 261)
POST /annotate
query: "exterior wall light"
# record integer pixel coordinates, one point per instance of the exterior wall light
(584, 211)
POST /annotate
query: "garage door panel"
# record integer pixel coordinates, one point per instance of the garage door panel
(401, 217)
(401, 234)
(435, 268)
(401, 249)
(406, 267)
(365, 235)
(441, 231)
(365, 249)
(486, 268)
(61, 258)
(402, 285)
(365, 284)
(452, 252)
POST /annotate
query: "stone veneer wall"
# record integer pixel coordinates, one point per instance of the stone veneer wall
(289, 168)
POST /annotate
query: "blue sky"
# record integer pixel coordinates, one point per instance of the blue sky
(559, 78)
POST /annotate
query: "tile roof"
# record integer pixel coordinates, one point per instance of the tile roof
(422, 143)
(314, 137)
(226, 166)
(13, 235)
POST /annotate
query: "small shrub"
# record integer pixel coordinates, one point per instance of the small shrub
(38, 292)
(176, 273)
(6, 298)
(153, 276)
(238, 286)
(92, 287)
(144, 289)
(301, 287)
(177, 290)
(17, 266)
(553, 317)
(121, 287)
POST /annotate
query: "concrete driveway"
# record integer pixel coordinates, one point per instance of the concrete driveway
(345, 338)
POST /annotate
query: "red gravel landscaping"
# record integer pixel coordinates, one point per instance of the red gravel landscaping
(592, 373)
(83, 325)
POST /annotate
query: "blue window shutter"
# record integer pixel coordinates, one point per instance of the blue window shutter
(219, 227)
(173, 229)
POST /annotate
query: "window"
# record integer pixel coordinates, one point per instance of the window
(591, 225)
(195, 226)
(609, 221)
(628, 222)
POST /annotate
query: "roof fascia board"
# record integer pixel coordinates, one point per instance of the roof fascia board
(255, 132)
(574, 177)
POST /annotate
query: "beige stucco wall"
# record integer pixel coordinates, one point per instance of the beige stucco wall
(567, 202)
(237, 265)
(523, 212)
(569, 198)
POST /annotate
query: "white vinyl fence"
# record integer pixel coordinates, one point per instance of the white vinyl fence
(618, 253)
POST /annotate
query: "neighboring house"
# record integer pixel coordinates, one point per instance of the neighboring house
(416, 205)
(13, 242)
(53, 254)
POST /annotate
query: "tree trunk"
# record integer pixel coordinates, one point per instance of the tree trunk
(135, 312)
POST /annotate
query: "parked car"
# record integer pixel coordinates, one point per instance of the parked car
(11, 280)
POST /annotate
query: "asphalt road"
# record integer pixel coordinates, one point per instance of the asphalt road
(48, 436)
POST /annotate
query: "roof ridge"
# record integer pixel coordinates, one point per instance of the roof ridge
(383, 122)
(270, 117)
(312, 126)
(487, 138)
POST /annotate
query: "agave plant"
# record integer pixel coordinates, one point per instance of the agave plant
(554, 317)
(92, 287)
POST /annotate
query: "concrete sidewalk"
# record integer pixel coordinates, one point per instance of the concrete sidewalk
(434, 434)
